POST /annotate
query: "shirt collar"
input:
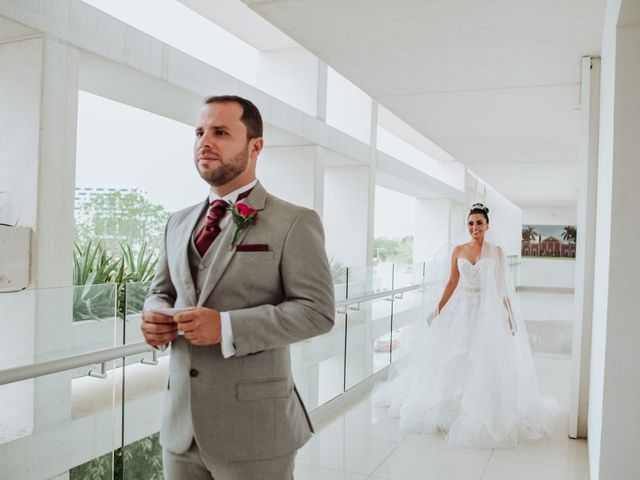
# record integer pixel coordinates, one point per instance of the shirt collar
(233, 196)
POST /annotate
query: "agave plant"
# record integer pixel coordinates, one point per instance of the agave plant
(338, 271)
(93, 274)
(134, 277)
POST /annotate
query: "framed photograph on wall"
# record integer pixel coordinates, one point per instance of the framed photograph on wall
(549, 241)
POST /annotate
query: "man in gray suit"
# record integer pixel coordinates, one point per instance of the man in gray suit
(240, 278)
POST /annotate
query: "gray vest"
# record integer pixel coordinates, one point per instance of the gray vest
(198, 265)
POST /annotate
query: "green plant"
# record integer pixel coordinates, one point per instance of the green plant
(95, 272)
(141, 460)
(92, 265)
(137, 270)
(338, 271)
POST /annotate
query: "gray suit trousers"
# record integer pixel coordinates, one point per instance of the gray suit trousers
(193, 465)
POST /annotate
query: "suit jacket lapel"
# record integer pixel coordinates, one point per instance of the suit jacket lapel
(223, 254)
(191, 221)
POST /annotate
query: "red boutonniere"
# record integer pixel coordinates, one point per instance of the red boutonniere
(243, 216)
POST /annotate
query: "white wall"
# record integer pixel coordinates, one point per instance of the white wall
(20, 113)
(546, 272)
(549, 216)
(295, 174)
(348, 108)
(451, 173)
(291, 75)
(432, 222)
(346, 204)
(603, 225)
(614, 394)
(505, 220)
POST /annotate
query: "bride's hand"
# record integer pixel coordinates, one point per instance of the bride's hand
(512, 324)
(431, 317)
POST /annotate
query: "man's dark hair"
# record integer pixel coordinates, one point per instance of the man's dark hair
(250, 114)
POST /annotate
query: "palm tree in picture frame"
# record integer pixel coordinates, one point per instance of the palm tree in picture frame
(569, 234)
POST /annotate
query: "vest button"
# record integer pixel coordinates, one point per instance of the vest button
(202, 266)
(193, 372)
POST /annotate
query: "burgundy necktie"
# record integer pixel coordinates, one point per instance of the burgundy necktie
(211, 227)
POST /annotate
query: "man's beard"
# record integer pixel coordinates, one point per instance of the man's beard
(227, 170)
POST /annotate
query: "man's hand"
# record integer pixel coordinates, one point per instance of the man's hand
(158, 329)
(201, 326)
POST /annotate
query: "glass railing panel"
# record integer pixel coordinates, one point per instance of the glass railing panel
(96, 409)
(340, 277)
(133, 296)
(368, 280)
(116, 418)
(409, 320)
(50, 323)
(318, 365)
(142, 458)
(360, 281)
(514, 262)
(383, 277)
(58, 426)
(144, 384)
(408, 274)
(369, 339)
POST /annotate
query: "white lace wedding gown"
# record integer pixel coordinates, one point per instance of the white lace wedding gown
(469, 375)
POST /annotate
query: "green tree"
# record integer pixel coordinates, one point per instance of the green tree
(529, 234)
(397, 250)
(116, 217)
(569, 234)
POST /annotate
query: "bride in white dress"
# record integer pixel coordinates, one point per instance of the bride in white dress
(472, 373)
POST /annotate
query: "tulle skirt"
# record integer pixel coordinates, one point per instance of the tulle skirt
(468, 375)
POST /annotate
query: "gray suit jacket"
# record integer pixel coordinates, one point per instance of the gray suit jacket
(245, 407)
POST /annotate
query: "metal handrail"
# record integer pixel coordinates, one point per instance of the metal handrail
(375, 296)
(34, 370)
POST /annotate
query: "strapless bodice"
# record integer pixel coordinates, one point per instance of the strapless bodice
(471, 275)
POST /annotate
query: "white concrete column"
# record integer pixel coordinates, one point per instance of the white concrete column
(458, 221)
(585, 247)
(346, 213)
(290, 74)
(295, 174)
(349, 206)
(373, 165)
(38, 93)
(432, 227)
(614, 393)
(39, 111)
(321, 108)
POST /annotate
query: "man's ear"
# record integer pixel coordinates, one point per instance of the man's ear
(255, 146)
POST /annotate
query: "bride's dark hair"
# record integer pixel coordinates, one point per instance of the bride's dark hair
(479, 208)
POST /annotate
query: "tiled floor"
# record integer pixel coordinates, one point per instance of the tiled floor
(365, 443)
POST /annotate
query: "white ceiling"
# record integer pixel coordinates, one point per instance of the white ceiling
(495, 83)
